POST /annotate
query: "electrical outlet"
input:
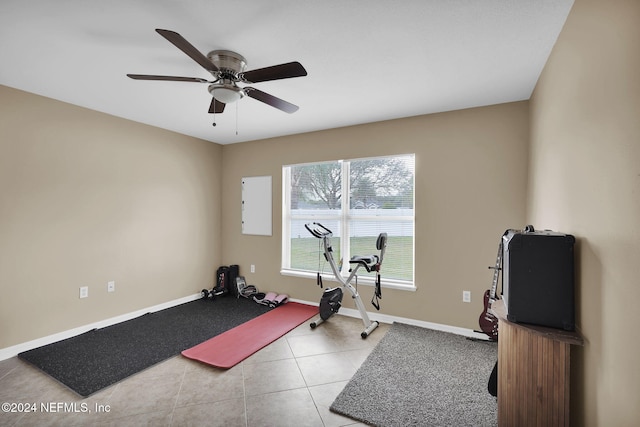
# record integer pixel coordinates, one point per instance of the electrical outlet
(111, 286)
(84, 292)
(466, 296)
(253, 268)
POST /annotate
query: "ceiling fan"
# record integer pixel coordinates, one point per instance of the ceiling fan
(228, 69)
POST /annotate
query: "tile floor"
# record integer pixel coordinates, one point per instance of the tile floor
(291, 382)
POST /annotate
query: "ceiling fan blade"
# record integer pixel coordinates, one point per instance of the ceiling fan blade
(170, 78)
(216, 106)
(182, 44)
(275, 72)
(271, 100)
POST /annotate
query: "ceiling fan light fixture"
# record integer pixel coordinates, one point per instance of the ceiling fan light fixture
(226, 93)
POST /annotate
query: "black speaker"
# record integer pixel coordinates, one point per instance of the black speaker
(538, 278)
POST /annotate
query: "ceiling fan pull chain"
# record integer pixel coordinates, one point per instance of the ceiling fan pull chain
(236, 119)
(214, 113)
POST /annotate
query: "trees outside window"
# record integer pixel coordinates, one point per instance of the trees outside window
(357, 200)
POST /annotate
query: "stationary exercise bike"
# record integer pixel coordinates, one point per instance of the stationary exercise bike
(332, 297)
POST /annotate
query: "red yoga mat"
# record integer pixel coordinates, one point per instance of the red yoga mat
(233, 346)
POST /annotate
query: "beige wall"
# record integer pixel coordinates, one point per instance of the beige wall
(585, 179)
(471, 177)
(86, 198)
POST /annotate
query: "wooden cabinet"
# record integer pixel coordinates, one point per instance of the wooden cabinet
(533, 373)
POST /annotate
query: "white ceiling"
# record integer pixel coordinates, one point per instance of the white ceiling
(367, 61)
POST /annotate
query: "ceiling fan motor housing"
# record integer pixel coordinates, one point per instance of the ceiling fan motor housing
(229, 64)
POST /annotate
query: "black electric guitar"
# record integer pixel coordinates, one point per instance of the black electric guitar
(488, 321)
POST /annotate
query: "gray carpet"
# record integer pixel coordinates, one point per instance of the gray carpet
(421, 377)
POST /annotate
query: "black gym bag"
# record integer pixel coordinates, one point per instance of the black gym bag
(225, 282)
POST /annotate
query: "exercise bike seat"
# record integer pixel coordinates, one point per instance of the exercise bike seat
(367, 261)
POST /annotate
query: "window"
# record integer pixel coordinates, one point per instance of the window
(377, 197)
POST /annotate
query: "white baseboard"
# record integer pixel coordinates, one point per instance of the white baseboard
(385, 318)
(8, 352)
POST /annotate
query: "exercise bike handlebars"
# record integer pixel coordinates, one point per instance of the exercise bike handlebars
(318, 230)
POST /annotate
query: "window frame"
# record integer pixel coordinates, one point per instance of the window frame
(344, 217)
